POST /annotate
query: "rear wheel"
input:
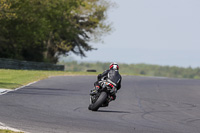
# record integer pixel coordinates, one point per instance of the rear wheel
(95, 106)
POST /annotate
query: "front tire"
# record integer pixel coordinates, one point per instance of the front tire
(95, 106)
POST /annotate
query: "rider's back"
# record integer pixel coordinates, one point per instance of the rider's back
(115, 77)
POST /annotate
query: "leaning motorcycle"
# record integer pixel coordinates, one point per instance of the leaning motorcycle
(102, 97)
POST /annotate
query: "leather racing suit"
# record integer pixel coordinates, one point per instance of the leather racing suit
(112, 76)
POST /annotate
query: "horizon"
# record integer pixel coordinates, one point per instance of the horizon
(72, 59)
(151, 32)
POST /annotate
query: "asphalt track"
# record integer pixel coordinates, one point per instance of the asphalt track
(143, 105)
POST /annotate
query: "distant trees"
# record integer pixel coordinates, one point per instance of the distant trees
(138, 69)
(41, 30)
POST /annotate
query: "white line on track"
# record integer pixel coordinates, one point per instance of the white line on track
(4, 91)
(3, 126)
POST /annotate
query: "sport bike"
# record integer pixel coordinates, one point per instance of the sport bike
(102, 97)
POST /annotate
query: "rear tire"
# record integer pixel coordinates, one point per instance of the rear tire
(95, 106)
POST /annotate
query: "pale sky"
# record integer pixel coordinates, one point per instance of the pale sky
(162, 32)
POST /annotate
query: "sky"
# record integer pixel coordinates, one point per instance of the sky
(162, 32)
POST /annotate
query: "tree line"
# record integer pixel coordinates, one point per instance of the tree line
(137, 69)
(41, 30)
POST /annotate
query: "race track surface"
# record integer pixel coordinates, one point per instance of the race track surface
(143, 105)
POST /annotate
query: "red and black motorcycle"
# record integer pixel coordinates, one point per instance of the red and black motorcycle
(103, 96)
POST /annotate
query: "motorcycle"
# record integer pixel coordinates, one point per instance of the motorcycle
(102, 97)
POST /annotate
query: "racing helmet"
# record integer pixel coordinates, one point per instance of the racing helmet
(114, 66)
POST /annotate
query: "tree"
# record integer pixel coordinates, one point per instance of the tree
(21, 36)
(73, 28)
(5, 11)
(43, 30)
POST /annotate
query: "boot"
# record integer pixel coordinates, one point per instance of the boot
(112, 97)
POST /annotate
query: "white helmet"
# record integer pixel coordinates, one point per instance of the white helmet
(114, 66)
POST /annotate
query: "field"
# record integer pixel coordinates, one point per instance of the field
(11, 79)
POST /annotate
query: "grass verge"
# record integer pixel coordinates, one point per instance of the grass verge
(8, 131)
(11, 79)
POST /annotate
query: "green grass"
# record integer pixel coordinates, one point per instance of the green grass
(11, 79)
(8, 131)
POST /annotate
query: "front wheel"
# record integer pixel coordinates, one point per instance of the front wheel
(102, 98)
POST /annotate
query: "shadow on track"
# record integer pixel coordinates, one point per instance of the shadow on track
(111, 111)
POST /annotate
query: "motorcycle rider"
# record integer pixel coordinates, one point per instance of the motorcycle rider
(111, 75)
